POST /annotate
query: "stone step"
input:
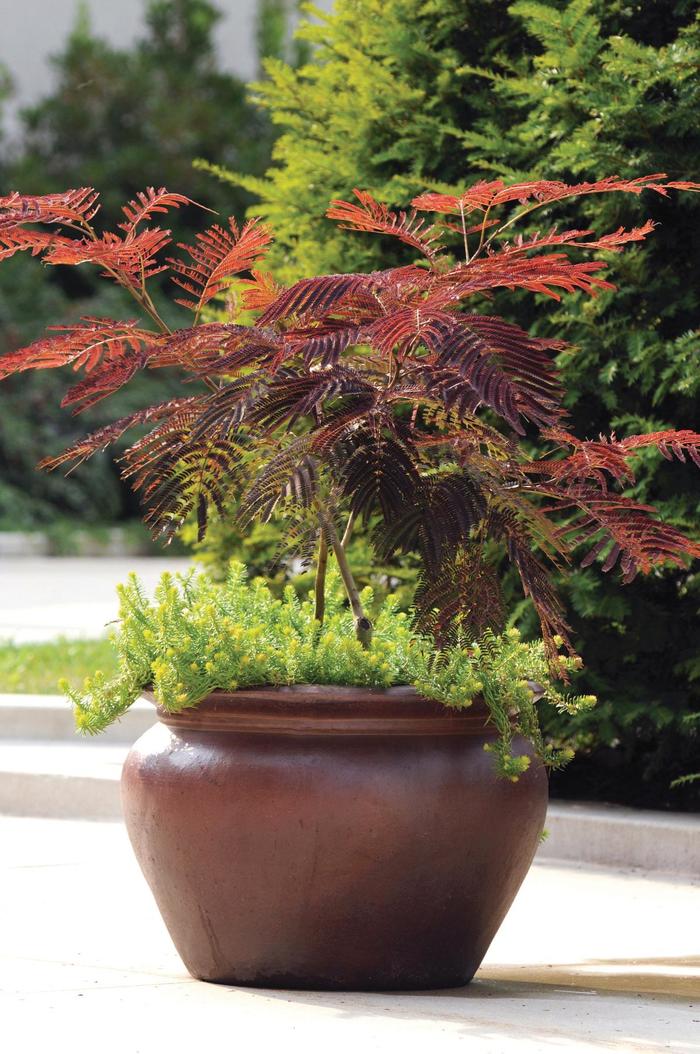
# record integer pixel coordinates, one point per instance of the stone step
(59, 779)
(48, 769)
(50, 718)
(79, 779)
(615, 836)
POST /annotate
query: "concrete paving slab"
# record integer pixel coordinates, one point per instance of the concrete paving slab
(42, 598)
(587, 961)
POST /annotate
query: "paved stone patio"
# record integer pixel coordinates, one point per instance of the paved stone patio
(588, 960)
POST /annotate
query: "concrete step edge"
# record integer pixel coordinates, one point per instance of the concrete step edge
(53, 796)
(619, 837)
(80, 780)
(60, 779)
(50, 717)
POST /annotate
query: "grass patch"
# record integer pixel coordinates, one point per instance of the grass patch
(37, 668)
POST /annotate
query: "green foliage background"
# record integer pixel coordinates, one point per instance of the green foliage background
(402, 95)
(119, 120)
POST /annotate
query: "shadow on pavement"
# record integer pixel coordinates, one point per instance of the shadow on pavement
(667, 977)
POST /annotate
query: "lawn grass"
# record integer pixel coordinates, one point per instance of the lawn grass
(37, 668)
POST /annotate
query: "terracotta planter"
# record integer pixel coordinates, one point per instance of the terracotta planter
(323, 837)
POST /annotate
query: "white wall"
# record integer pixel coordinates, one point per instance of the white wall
(32, 30)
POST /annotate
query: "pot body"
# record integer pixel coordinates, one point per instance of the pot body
(334, 838)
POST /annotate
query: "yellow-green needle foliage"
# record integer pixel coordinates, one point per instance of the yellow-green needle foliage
(197, 636)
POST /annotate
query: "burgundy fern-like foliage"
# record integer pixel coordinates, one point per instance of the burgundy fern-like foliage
(72, 207)
(19, 239)
(73, 456)
(371, 215)
(485, 196)
(133, 258)
(146, 204)
(91, 342)
(396, 396)
(216, 256)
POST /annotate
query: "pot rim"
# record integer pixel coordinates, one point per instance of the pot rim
(323, 709)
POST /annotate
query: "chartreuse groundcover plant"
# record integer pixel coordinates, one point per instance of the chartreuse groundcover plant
(393, 397)
(198, 636)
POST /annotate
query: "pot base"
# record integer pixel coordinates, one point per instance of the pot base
(295, 983)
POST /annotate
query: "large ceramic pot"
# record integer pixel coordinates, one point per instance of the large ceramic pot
(324, 837)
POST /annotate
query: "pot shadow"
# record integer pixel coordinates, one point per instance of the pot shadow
(609, 1004)
(669, 978)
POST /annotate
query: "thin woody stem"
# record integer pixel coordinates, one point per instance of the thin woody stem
(143, 299)
(363, 626)
(348, 530)
(320, 583)
(464, 232)
(519, 215)
(483, 232)
(140, 296)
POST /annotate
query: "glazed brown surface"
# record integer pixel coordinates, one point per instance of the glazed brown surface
(322, 837)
